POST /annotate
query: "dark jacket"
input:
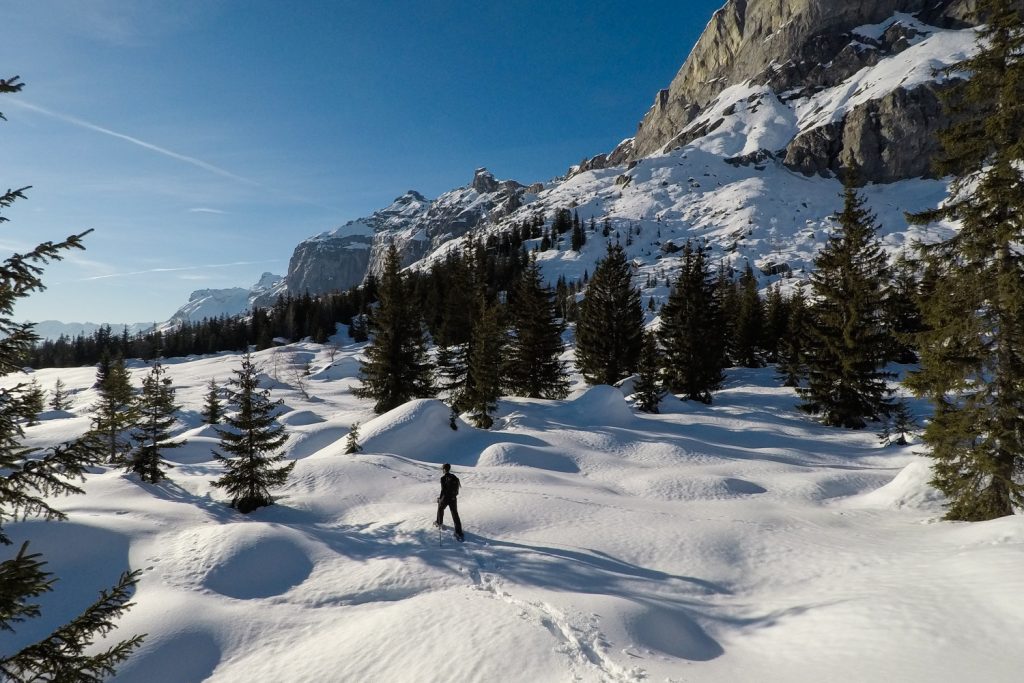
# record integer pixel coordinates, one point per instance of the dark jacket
(449, 488)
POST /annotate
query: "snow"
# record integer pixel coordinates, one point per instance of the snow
(738, 541)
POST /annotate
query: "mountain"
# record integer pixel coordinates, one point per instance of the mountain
(343, 257)
(214, 303)
(742, 149)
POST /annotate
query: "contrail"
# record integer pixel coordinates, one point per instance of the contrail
(75, 121)
(173, 270)
(198, 163)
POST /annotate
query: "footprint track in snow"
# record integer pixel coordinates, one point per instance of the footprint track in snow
(585, 645)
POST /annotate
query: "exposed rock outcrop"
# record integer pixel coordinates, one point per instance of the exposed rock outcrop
(798, 47)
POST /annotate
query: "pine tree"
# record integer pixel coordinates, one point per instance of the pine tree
(397, 367)
(60, 398)
(483, 386)
(452, 369)
(213, 409)
(352, 440)
(250, 437)
(649, 388)
(748, 331)
(848, 343)
(35, 401)
(690, 332)
(903, 313)
(29, 479)
(533, 366)
(791, 353)
(114, 414)
(972, 349)
(776, 314)
(155, 410)
(609, 328)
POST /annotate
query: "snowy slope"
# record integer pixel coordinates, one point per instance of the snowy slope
(733, 542)
(215, 303)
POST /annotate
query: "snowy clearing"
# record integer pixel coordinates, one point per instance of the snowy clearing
(739, 541)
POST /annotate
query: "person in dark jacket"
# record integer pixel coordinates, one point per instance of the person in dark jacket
(449, 498)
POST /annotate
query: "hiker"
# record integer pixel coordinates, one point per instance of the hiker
(449, 498)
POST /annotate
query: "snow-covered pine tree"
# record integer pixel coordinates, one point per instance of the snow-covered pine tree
(60, 397)
(114, 413)
(483, 386)
(213, 408)
(352, 440)
(155, 416)
(532, 364)
(972, 349)
(690, 332)
(848, 342)
(649, 388)
(28, 481)
(610, 324)
(249, 438)
(397, 367)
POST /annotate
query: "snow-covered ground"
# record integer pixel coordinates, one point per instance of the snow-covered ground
(733, 542)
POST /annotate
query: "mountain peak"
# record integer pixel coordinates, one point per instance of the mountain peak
(484, 181)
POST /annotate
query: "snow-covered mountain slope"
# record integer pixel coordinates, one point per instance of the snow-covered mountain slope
(735, 542)
(753, 171)
(214, 303)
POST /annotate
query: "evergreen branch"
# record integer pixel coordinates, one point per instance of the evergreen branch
(21, 579)
(61, 655)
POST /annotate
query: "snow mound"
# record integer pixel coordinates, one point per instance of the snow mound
(170, 658)
(420, 429)
(602, 404)
(512, 454)
(195, 449)
(300, 418)
(669, 631)
(242, 560)
(911, 489)
(661, 485)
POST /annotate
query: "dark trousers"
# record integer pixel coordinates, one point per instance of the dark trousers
(453, 505)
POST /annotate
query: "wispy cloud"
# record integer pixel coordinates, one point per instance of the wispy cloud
(203, 209)
(178, 269)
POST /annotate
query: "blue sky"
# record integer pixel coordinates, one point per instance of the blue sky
(203, 140)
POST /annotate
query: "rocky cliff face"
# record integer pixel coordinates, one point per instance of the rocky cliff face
(798, 48)
(341, 258)
(214, 303)
(451, 215)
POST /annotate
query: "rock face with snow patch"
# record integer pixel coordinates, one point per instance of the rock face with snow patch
(214, 303)
(799, 48)
(341, 258)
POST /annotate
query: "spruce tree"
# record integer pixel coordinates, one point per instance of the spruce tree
(114, 414)
(352, 440)
(483, 386)
(155, 416)
(397, 367)
(649, 389)
(791, 349)
(609, 328)
(533, 367)
(903, 312)
(213, 408)
(848, 343)
(35, 401)
(972, 349)
(249, 438)
(776, 314)
(29, 479)
(60, 398)
(690, 332)
(748, 329)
